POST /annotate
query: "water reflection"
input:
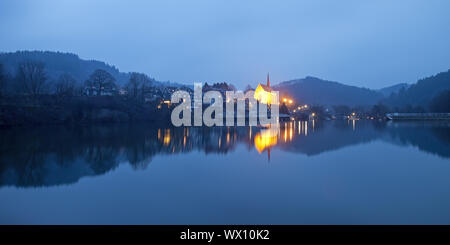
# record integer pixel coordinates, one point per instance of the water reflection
(56, 155)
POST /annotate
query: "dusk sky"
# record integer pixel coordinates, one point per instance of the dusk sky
(365, 43)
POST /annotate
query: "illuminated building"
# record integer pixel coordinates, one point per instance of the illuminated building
(263, 93)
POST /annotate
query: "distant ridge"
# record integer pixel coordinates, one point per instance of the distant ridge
(421, 93)
(57, 63)
(313, 90)
(387, 91)
(308, 90)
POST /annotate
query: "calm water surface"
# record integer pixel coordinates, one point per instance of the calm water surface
(336, 172)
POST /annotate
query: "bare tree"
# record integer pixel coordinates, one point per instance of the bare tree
(65, 86)
(31, 77)
(100, 82)
(138, 85)
(133, 85)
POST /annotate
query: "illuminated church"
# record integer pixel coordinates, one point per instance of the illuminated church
(263, 93)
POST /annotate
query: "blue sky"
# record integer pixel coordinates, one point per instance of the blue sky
(365, 43)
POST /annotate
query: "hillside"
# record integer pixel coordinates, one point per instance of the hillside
(421, 92)
(57, 63)
(387, 91)
(312, 90)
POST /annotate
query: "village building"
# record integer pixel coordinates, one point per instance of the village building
(263, 93)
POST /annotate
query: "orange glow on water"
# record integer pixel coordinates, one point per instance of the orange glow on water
(166, 140)
(265, 139)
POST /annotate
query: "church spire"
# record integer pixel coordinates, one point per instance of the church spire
(268, 81)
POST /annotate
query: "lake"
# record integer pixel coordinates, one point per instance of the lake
(302, 172)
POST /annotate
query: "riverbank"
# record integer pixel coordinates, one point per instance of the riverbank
(418, 116)
(80, 110)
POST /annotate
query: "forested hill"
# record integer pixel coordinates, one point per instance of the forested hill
(312, 90)
(422, 92)
(387, 91)
(57, 63)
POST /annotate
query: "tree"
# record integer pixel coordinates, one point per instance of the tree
(319, 111)
(379, 110)
(65, 86)
(101, 82)
(31, 77)
(408, 108)
(342, 110)
(248, 88)
(2, 81)
(441, 102)
(419, 109)
(138, 85)
(283, 109)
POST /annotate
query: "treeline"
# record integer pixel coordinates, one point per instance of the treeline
(57, 63)
(429, 94)
(30, 97)
(377, 111)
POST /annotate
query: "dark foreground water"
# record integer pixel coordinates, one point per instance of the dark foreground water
(337, 172)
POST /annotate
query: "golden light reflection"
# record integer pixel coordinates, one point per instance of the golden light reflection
(276, 134)
(285, 135)
(166, 140)
(285, 132)
(263, 138)
(306, 128)
(291, 133)
(266, 139)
